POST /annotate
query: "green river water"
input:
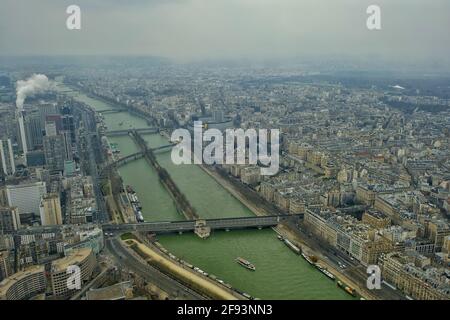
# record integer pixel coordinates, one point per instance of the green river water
(280, 273)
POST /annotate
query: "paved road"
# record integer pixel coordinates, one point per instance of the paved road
(102, 213)
(125, 259)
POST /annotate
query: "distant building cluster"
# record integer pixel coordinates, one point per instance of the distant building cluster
(47, 197)
(41, 255)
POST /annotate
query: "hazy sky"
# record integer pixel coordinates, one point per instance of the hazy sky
(189, 30)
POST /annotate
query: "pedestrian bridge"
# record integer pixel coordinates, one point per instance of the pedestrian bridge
(190, 225)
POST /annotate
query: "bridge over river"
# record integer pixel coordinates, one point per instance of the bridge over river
(213, 224)
(178, 226)
(125, 132)
(132, 157)
(111, 111)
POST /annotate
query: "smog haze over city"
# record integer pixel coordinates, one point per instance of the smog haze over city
(256, 30)
(255, 150)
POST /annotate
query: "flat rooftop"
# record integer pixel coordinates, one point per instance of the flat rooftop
(8, 282)
(76, 257)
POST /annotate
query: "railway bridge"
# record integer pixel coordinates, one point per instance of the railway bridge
(111, 111)
(213, 224)
(125, 132)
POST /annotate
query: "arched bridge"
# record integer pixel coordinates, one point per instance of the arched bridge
(214, 224)
(134, 156)
(125, 160)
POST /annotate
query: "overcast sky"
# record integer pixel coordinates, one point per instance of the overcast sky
(188, 30)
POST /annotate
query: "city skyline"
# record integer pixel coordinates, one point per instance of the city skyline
(252, 150)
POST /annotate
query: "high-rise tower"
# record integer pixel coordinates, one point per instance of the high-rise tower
(7, 164)
(23, 136)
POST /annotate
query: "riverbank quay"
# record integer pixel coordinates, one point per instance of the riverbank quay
(189, 277)
(286, 231)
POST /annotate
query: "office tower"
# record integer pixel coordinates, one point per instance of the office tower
(34, 130)
(50, 210)
(54, 152)
(9, 219)
(7, 164)
(26, 197)
(23, 138)
(5, 265)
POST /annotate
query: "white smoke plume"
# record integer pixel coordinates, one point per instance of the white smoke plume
(37, 83)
